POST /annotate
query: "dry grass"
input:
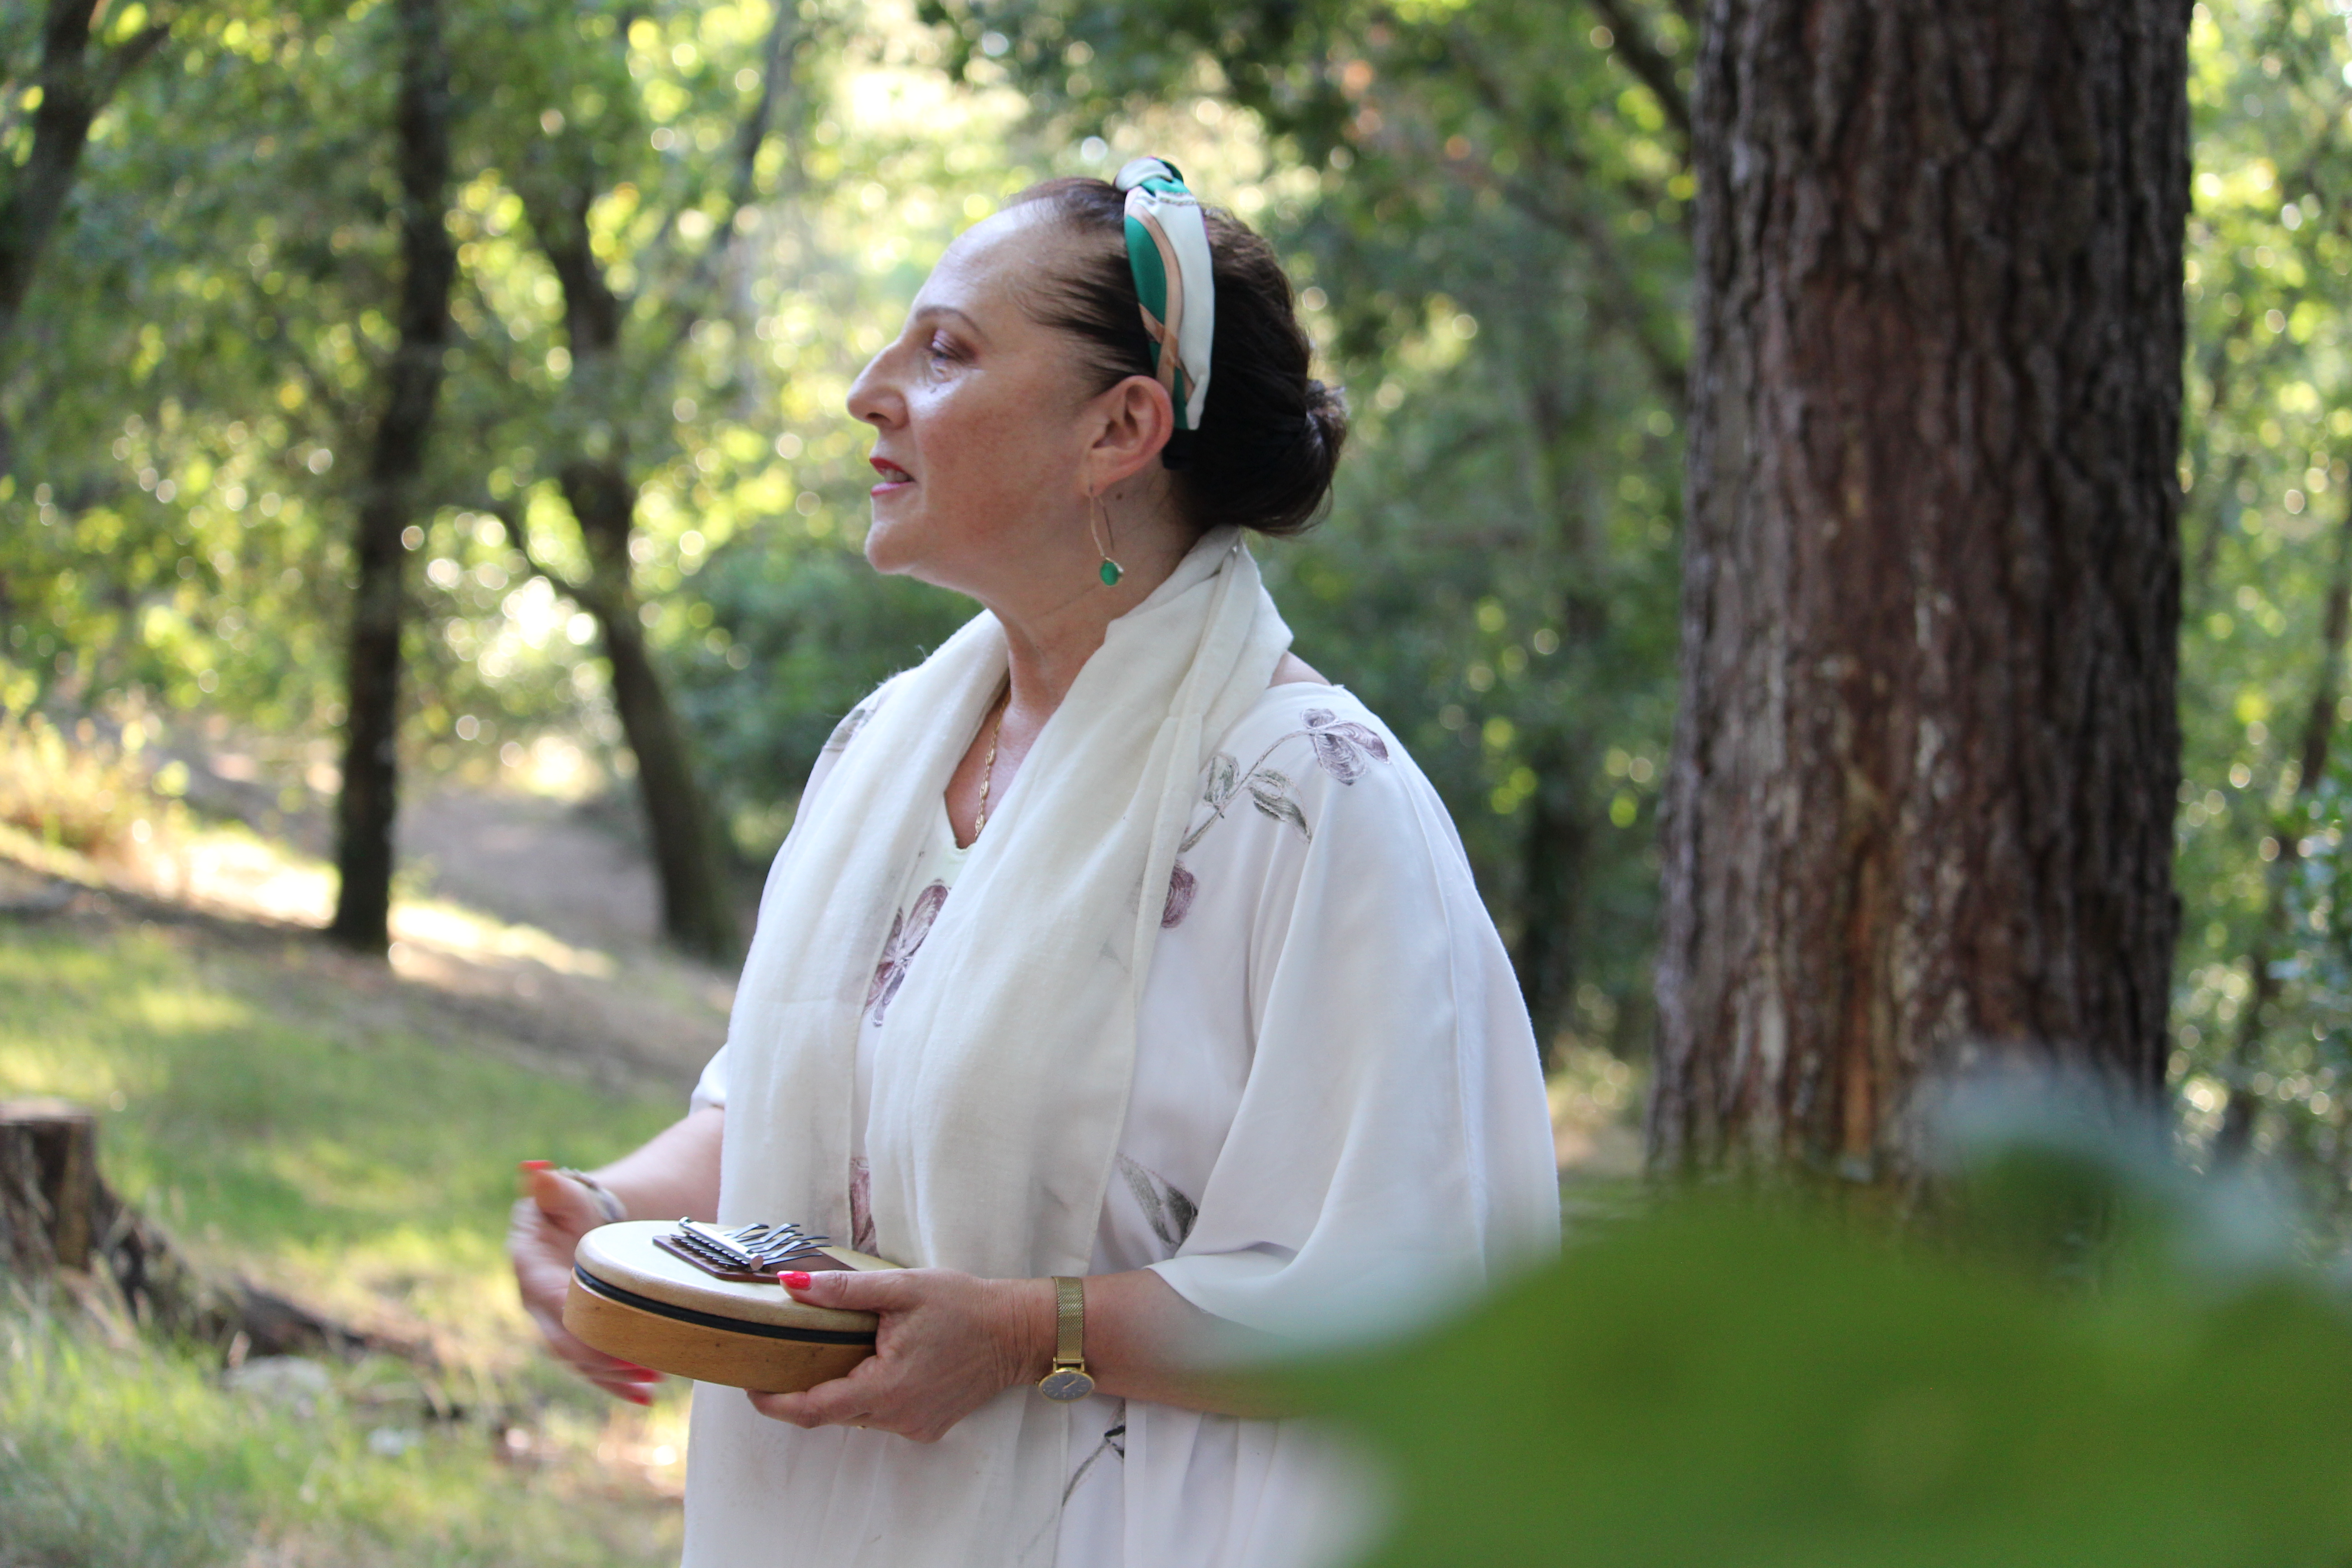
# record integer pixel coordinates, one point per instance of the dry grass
(83, 792)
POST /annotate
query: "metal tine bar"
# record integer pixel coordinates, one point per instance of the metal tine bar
(717, 1242)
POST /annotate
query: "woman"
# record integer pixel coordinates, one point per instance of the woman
(1112, 944)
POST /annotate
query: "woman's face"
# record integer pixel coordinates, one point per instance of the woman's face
(981, 429)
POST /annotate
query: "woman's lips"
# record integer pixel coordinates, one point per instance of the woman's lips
(894, 478)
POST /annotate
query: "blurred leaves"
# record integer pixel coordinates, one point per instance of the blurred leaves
(1748, 1381)
(2268, 434)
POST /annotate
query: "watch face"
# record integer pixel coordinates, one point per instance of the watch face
(1066, 1382)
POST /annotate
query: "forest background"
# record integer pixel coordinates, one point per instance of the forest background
(1485, 208)
(676, 231)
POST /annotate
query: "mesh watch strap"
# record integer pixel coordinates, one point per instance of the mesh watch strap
(1070, 1322)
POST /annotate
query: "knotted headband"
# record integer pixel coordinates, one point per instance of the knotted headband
(1168, 246)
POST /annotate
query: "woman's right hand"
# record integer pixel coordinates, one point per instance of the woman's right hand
(548, 1222)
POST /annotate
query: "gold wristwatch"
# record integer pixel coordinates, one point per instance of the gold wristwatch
(1068, 1379)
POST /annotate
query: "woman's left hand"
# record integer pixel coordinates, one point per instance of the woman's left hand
(949, 1344)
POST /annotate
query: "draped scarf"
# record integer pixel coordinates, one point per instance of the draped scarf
(1000, 1074)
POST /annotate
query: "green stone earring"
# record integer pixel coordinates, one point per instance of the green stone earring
(1110, 571)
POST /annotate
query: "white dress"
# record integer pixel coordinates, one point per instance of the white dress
(1331, 1046)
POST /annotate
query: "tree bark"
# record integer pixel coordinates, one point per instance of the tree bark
(366, 809)
(48, 1186)
(1919, 809)
(698, 913)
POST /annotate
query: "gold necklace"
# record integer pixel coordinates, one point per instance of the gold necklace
(988, 769)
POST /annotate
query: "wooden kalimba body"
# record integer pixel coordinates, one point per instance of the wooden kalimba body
(704, 1303)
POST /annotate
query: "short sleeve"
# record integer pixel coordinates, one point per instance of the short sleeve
(1392, 1149)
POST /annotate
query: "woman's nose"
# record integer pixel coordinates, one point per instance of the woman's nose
(872, 397)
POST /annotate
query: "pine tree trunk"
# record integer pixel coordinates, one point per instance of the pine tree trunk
(364, 811)
(1920, 803)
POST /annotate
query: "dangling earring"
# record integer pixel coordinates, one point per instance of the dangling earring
(1111, 570)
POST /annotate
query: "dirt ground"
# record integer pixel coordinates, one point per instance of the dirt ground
(536, 917)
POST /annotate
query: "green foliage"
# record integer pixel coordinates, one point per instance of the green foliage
(806, 634)
(1719, 1381)
(2265, 526)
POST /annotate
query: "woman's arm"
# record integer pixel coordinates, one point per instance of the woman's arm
(676, 1172)
(950, 1342)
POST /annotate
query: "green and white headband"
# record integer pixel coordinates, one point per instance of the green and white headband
(1168, 246)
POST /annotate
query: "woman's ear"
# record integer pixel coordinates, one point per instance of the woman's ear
(1135, 420)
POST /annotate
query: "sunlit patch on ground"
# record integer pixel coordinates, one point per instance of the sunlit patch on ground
(1595, 1109)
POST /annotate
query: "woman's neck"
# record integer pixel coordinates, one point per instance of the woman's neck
(1048, 638)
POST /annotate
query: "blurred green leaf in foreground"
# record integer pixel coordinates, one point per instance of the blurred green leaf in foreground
(1744, 1383)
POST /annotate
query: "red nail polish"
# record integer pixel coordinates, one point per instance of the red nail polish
(538, 1164)
(793, 1279)
(637, 1396)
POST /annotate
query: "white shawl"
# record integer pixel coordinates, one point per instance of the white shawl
(1001, 1078)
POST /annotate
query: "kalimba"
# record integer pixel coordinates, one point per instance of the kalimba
(704, 1303)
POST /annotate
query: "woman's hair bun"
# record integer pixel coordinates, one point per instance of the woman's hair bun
(1270, 434)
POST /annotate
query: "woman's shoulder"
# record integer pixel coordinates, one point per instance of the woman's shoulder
(1302, 710)
(1301, 742)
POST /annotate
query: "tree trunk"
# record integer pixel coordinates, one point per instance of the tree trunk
(74, 84)
(698, 915)
(365, 811)
(1920, 811)
(48, 1186)
(1553, 857)
(2236, 1134)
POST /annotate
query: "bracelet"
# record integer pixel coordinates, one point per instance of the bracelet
(607, 1203)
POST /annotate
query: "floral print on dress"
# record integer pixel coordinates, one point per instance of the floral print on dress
(861, 1205)
(846, 731)
(1342, 748)
(1342, 744)
(1167, 1211)
(908, 927)
(1114, 1442)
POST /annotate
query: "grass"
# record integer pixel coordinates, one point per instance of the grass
(332, 1132)
(135, 1456)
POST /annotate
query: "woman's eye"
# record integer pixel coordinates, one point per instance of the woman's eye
(941, 348)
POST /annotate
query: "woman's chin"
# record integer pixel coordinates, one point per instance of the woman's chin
(892, 545)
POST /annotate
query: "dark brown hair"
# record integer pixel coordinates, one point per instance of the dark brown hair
(1270, 434)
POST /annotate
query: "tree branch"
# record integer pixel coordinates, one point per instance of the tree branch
(72, 91)
(1650, 65)
(510, 518)
(2244, 1105)
(784, 41)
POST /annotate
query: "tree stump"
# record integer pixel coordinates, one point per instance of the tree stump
(61, 1225)
(48, 1186)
